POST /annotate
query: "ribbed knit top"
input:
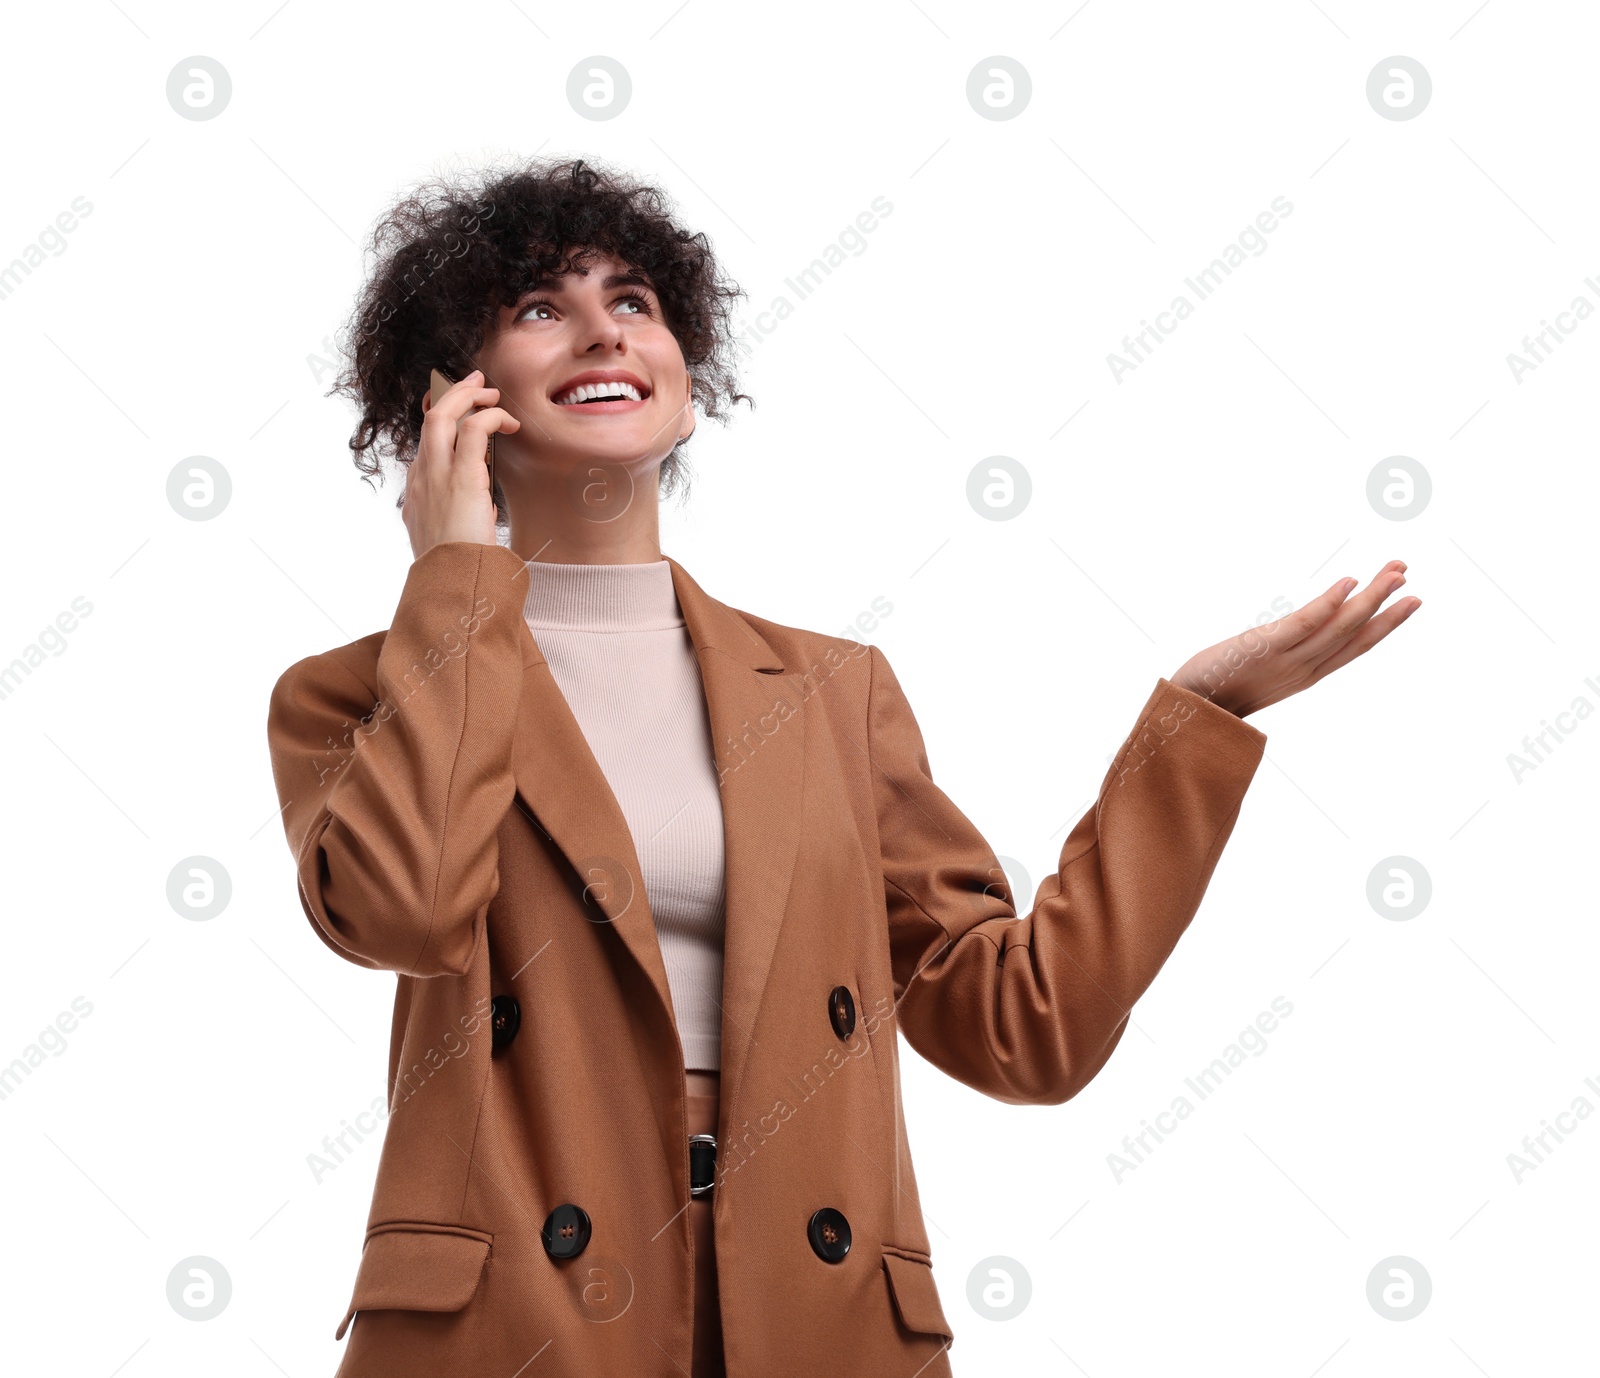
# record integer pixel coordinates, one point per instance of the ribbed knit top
(617, 645)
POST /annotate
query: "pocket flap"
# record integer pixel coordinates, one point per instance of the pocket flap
(415, 1266)
(916, 1294)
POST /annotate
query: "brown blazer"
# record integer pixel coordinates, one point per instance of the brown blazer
(449, 824)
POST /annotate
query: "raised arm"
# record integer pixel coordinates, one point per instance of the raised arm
(393, 821)
(1027, 1010)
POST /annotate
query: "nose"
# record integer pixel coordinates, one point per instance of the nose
(597, 328)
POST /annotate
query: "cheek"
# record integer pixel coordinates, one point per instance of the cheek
(522, 368)
(661, 348)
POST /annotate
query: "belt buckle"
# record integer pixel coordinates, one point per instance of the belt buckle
(702, 1163)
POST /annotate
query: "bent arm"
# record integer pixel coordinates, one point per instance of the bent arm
(1027, 1010)
(393, 793)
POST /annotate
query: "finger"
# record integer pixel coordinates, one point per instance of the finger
(1352, 616)
(490, 419)
(431, 397)
(1320, 630)
(457, 402)
(1294, 627)
(472, 436)
(518, 407)
(1365, 639)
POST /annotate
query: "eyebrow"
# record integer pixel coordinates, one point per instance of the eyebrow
(554, 283)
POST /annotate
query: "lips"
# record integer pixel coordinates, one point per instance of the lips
(582, 390)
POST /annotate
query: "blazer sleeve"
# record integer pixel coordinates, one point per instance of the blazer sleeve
(1027, 1009)
(392, 794)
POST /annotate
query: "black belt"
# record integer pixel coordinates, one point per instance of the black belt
(702, 1163)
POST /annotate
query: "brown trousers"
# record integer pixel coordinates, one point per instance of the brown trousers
(704, 1094)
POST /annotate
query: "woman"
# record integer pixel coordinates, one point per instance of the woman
(566, 727)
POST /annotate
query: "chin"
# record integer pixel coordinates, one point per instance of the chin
(619, 454)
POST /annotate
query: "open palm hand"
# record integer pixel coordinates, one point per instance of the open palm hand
(1265, 664)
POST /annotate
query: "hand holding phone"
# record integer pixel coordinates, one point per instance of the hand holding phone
(449, 486)
(440, 383)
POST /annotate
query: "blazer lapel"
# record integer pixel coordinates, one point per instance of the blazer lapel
(759, 747)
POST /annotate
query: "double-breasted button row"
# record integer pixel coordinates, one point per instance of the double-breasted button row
(567, 1229)
(505, 1018)
(828, 1230)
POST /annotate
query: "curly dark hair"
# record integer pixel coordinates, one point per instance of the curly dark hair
(451, 252)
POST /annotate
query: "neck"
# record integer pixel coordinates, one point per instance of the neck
(585, 512)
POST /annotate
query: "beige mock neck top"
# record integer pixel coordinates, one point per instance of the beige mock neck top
(617, 645)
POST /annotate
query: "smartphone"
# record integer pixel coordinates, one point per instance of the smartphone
(438, 384)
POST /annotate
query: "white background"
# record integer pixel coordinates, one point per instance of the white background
(1220, 481)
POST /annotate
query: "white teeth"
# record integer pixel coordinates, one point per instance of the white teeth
(585, 391)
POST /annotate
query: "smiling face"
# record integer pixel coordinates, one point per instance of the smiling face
(588, 364)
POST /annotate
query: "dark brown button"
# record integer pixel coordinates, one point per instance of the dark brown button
(505, 1018)
(829, 1233)
(842, 1011)
(566, 1231)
